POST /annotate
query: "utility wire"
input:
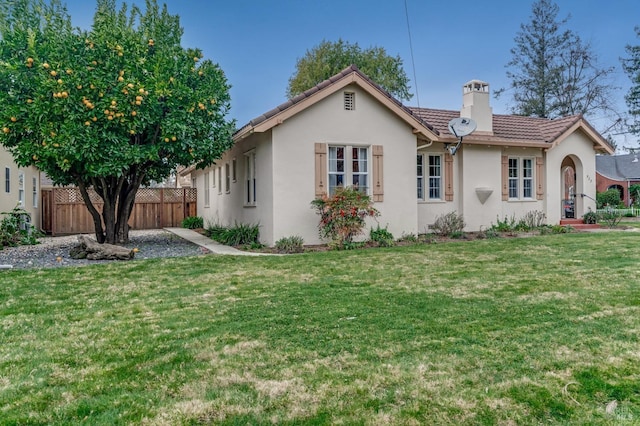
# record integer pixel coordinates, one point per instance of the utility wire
(413, 62)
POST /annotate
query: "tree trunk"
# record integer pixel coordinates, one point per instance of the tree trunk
(89, 249)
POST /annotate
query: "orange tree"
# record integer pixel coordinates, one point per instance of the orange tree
(111, 108)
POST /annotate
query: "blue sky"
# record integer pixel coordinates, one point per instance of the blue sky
(257, 42)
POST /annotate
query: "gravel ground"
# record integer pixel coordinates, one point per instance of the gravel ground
(53, 252)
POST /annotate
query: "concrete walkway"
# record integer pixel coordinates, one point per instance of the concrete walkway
(206, 242)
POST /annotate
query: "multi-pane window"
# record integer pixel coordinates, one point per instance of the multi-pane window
(227, 178)
(21, 188)
(206, 189)
(34, 192)
(435, 177)
(250, 177)
(7, 180)
(233, 170)
(219, 180)
(520, 178)
(348, 166)
(420, 173)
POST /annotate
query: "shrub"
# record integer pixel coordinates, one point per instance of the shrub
(610, 217)
(590, 217)
(534, 219)
(505, 225)
(381, 237)
(608, 198)
(14, 229)
(342, 216)
(292, 244)
(238, 235)
(448, 224)
(193, 222)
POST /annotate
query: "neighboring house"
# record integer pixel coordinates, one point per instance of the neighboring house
(617, 172)
(349, 131)
(20, 187)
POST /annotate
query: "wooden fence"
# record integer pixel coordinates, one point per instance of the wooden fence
(64, 211)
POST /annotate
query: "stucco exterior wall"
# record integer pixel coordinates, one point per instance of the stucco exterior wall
(580, 149)
(9, 200)
(328, 122)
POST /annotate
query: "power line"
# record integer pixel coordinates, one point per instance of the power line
(413, 62)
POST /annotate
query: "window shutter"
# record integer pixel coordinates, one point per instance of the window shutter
(539, 178)
(378, 175)
(505, 178)
(321, 169)
(448, 177)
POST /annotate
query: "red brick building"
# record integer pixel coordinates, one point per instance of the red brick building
(617, 172)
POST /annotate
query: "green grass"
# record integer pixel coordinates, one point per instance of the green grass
(503, 331)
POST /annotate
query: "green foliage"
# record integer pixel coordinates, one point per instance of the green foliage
(608, 198)
(449, 223)
(113, 107)
(553, 72)
(590, 217)
(381, 237)
(238, 235)
(610, 217)
(631, 66)
(342, 216)
(293, 244)
(634, 193)
(329, 58)
(15, 229)
(193, 222)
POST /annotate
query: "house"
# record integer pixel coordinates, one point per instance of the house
(349, 131)
(618, 172)
(20, 187)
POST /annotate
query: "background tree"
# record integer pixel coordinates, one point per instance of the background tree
(631, 66)
(329, 58)
(111, 108)
(553, 72)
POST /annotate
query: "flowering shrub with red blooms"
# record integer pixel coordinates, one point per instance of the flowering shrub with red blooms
(342, 216)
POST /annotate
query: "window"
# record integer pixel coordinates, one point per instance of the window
(250, 178)
(219, 180)
(227, 178)
(21, 188)
(233, 170)
(520, 178)
(348, 166)
(206, 189)
(213, 177)
(35, 192)
(420, 173)
(7, 180)
(435, 177)
(349, 101)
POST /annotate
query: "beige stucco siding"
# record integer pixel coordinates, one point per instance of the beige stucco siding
(328, 122)
(580, 149)
(9, 200)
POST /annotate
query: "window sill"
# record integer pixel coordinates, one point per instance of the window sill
(431, 201)
(250, 206)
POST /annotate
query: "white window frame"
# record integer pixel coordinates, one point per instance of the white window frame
(220, 180)
(351, 168)
(434, 189)
(234, 170)
(521, 175)
(35, 192)
(7, 180)
(420, 176)
(207, 193)
(250, 180)
(227, 178)
(21, 200)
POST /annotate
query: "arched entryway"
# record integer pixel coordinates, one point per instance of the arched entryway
(571, 188)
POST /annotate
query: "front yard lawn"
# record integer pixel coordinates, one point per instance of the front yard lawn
(532, 330)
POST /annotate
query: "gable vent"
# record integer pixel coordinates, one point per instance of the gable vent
(349, 101)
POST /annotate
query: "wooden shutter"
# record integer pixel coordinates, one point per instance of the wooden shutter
(505, 178)
(321, 169)
(448, 177)
(378, 175)
(539, 177)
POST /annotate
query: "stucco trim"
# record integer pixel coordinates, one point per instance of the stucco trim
(599, 143)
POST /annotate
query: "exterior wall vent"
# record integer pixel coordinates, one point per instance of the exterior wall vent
(349, 101)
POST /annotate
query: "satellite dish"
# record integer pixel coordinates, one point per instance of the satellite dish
(460, 127)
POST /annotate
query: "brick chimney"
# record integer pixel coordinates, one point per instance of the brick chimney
(475, 105)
